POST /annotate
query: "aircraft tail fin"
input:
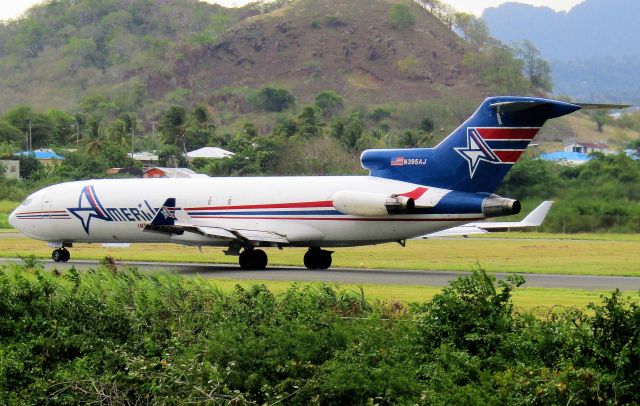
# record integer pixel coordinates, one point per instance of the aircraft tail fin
(477, 155)
(165, 216)
(537, 216)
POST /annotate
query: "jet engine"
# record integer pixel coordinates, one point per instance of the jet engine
(495, 206)
(372, 204)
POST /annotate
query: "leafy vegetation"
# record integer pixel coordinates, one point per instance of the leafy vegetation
(601, 195)
(162, 338)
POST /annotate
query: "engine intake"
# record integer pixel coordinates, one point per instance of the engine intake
(499, 206)
(372, 204)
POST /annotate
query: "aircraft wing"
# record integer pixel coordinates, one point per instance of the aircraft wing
(534, 219)
(164, 222)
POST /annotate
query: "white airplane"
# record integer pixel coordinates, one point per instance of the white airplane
(533, 219)
(408, 193)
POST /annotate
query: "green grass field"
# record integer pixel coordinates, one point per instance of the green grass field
(530, 252)
(540, 300)
(511, 252)
(6, 207)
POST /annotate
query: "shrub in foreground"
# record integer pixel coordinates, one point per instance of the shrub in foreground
(121, 336)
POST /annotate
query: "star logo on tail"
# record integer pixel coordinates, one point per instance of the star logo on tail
(476, 151)
(89, 207)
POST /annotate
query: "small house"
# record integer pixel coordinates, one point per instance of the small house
(44, 156)
(586, 147)
(567, 158)
(11, 168)
(172, 173)
(209, 153)
(146, 158)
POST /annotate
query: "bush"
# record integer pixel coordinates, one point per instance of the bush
(401, 17)
(125, 337)
(273, 99)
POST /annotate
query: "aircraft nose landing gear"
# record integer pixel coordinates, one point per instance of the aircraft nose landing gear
(251, 259)
(60, 255)
(317, 258)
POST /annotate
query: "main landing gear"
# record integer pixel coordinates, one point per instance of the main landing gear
(256, 259)
(317, 258)
(252, 259)
(60, 255)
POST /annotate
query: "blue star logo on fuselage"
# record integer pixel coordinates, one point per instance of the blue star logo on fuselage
(476, 151)
(89, 207)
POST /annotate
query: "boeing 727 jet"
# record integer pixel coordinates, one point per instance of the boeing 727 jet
(408, 193)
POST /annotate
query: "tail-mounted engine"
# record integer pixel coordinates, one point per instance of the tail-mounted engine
(372, 204)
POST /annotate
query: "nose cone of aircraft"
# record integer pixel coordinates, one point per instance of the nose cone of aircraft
(13, 220)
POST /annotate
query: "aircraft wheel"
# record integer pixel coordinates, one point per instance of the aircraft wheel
(66, 255)
(253, 259)
(56, 255)
(245, 259)
(325, 260)
(316, 258)
(311, 258)
(259, 260)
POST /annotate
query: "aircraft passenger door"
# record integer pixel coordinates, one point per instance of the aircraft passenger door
(47, 200)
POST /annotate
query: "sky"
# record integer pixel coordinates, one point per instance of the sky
(14, 8)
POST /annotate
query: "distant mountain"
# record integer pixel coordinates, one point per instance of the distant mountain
(593, 28)
(594, 49)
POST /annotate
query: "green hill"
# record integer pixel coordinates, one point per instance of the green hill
(138, 53)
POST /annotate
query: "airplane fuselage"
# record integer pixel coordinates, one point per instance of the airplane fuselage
(300, 208)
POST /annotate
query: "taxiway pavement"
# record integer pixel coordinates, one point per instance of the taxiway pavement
(354, 276)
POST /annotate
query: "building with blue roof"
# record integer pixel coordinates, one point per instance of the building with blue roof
(569, 158)
(44, 156)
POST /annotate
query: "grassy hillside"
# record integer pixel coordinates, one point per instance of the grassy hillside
(580, 127)
(140, 53)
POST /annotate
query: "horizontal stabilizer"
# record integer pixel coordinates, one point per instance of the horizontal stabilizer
(595, 106)
(537, 216)
(534, 219)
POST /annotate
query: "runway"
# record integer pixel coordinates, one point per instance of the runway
(354, 276)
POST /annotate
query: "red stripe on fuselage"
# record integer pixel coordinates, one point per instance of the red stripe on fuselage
(507, 133)
(41, 212)
(508, 156)
(416, 193)
(466, 219)
(301, 205)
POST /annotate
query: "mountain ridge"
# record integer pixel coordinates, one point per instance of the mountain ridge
(177, 51)
(593, 48)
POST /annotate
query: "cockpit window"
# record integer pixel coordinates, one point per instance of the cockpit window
(27, 201)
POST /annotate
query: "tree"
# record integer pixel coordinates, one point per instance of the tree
(93, 136)
(349, 131)
(28, 165)
(601, 118)
(172, 126)
(401, 17)
(308, 123)
(9, 134)
(474, 30)
(35, 126)
(409, 139)
(200, 131)
(274, 100)
(171, 156)
(537, 69)
(63, 127)
(379, 114)
(425, 125)
(329, 102)
(501, 71)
